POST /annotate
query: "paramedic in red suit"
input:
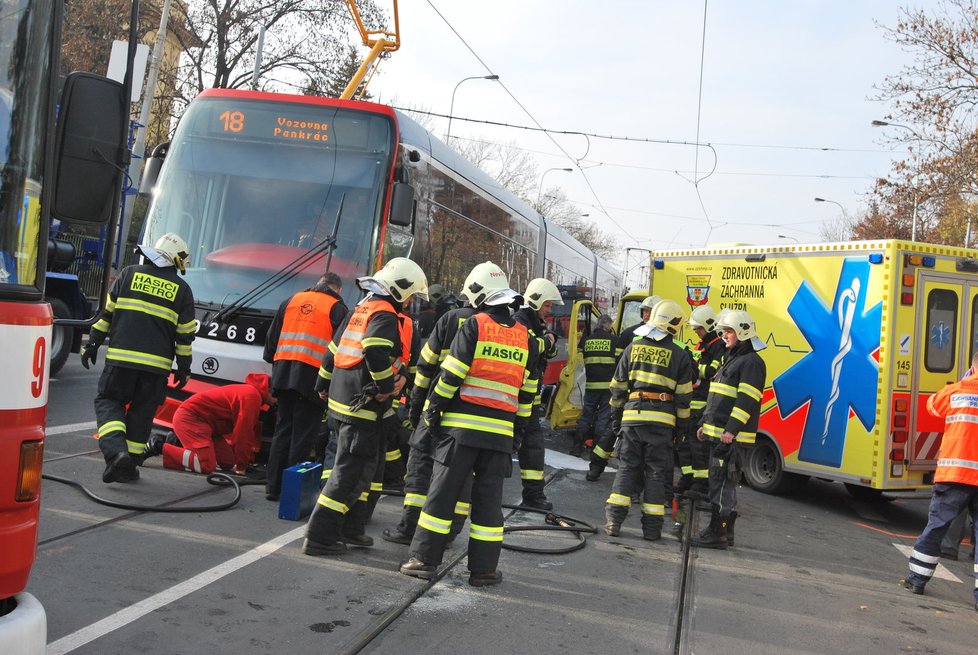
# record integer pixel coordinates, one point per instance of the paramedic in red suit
(219, 427)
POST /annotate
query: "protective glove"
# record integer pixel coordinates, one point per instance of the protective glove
(432, 420)
(180, 379)
(616, 423)
(416, 407)
(89, 355)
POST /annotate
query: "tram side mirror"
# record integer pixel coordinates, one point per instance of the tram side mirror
(402, 205)
(152, 171)
(90, 149)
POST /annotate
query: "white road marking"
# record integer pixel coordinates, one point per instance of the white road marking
(71, 427)
(941, 571)
(125, 616)
(559, 460)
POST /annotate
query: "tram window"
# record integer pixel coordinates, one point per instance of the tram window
(941, 331)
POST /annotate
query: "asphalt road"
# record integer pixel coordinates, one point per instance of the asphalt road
(816, 572)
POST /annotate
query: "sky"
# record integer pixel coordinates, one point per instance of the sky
(785, 99)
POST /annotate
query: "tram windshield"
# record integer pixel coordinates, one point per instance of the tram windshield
(253, 185)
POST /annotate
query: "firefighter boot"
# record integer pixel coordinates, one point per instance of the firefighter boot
(354, 526)
(418, 569)
(537, 501)
(120, 469)
(715, 534)
(485, 579)
(730, 528)
(595, 469)
(614, 516)
(320, 548)
(403, 532)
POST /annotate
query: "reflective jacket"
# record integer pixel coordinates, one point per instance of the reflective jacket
(311, 315)
(708, 355)
(957, 404)
(734, 402)
(486, 381)
(363, 350)
(626, 337)
(149, 319)
(599, 359)
(653, 383)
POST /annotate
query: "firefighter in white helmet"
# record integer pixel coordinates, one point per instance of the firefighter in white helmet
(364, 368)
(730, 420)
(540, 297)
(420, 464)
(693, 454)
(484, 389)
(149, 320)
(650, 395)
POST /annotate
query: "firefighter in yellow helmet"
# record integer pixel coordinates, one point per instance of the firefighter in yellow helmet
(730, 420)
(650, 394)
(540, 297)
(485, 388)
(149, 320)
(363, 370)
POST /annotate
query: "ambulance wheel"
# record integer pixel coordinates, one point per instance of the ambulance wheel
(867, 494)
(764, 469)
(60, 337)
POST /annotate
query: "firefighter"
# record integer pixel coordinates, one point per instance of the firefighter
(955, 480)
(217, 427)
(296, 343)
(540, 297)
(693, 454)
(604, 446)
(484, 389)
(650, 394)
(149, 319)
(729, 422)
(362, 371)
(599, 367)
(420, 463)
(628, 334)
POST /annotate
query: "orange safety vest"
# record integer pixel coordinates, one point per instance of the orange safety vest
(306, 329)
(349, 353)
(498, 367)
(957, 460)
(406, 330)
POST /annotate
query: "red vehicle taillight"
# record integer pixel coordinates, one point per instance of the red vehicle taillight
(29, 472)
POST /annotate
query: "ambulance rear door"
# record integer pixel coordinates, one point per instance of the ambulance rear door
(947, 329)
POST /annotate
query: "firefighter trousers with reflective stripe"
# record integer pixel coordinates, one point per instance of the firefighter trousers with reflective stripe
(693, 455)
(531, 456)
(595, 418)
(417, 483)
(645, 458)
(946, 503)
(723, 489)
(358, 453)
(121, 428)
(490, 468)
(296, 431)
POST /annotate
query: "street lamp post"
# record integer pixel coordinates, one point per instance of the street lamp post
(451, 111)
(540, 190)
(785, 236)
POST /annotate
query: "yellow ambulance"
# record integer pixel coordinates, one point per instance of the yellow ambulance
(859, 335)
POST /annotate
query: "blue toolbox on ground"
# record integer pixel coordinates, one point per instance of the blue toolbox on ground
(300, 487)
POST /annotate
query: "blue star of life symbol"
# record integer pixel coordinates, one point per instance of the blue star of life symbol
(940, 335)
(839, 374)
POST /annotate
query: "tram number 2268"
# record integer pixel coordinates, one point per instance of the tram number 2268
(229, 332)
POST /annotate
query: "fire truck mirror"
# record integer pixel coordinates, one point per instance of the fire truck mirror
(90, 149)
